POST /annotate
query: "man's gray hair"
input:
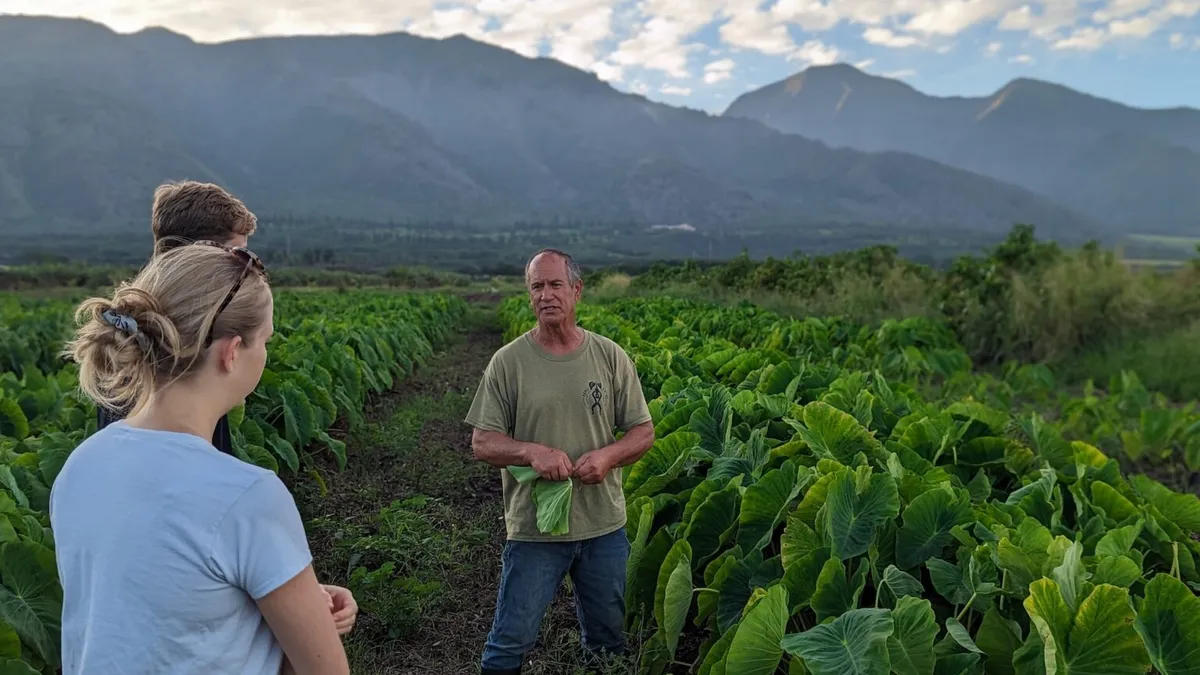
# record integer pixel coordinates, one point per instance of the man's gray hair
(573, 272)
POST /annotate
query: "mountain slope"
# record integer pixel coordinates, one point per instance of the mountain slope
(401, 128)
(1132, 168)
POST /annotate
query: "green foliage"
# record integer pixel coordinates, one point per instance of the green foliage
(330, 352)
(1023, 300)
(841, 500)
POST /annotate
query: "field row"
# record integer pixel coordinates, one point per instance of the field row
(330, 352)
(834, 499)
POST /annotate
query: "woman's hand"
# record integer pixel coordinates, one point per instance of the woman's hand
(343, 607)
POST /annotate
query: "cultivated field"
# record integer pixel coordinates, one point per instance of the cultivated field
(826, 494)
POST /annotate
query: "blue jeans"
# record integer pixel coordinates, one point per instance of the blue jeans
(532, 573)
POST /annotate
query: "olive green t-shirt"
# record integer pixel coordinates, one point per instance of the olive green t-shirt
(571, 402)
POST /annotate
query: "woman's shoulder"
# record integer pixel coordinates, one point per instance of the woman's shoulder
(166, 455)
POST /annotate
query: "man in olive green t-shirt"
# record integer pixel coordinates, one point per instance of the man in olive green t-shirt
(553, 399)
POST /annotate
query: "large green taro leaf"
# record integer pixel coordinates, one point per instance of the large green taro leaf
(1098, 639)
(673, 596)
(833, 434)
(855, 643)
(30, 598)
(999, 638)
(756, 648)
(910, 646)
(927, 524)
(712, 519)
(858, 502)
(660, 465)
(765, 504)
(798, 539)
(1168, 620)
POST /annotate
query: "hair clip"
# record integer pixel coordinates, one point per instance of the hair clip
(126, 324)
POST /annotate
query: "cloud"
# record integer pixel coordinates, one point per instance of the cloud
(951, 17)
(886, 38)
(1084, 39)
(676, 39)
(898, 74)
(816, 53)
(1023, 59)
(1046, 23)
(672, 90)
(1181, 41)
(718, 70)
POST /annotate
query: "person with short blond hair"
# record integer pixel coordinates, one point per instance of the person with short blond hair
(174, 557)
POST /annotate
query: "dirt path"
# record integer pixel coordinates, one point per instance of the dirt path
(415, 526)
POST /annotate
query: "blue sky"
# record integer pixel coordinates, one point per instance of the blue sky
(704, 53)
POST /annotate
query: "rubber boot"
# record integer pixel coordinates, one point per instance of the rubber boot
(498, 671)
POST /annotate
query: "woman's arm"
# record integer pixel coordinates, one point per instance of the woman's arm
(298, 614)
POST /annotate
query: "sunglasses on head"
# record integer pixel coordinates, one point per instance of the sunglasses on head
(250, 260)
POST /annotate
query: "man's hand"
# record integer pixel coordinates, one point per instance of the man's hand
(550, 464)
(593, 467)
(343, 607)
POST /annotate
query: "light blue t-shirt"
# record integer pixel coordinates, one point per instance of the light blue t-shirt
(164, 544)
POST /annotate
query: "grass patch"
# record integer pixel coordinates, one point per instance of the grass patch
(1169, 363)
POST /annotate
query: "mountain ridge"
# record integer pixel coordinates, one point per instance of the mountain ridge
(1097, 156)
(397, 127)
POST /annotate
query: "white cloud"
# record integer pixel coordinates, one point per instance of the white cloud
(899, 74)
(1084, 39)
(1181, 41)
(1138, 27)
(886, 38)
(443, 23)
(1046, 23)
(951, 17)
(608, 72)
(672, 90)
(1023, 59)
(620, 39)
(864, 64)
(718, 70)
(816, 53)
(809, 15)
(1117, 9)
(756, 30)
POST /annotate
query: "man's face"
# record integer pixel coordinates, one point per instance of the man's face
(550, 291)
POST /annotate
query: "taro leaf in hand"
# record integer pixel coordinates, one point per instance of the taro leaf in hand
(552, 498)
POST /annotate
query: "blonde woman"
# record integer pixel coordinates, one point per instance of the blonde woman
(173, 556)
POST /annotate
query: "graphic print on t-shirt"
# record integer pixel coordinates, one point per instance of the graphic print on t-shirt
(594, 397)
